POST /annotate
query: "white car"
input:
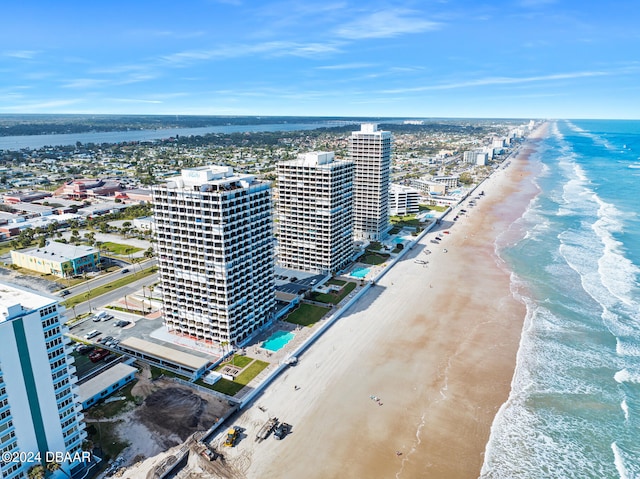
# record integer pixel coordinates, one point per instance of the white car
(92, 334)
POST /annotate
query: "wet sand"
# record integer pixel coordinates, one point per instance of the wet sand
(436, 344)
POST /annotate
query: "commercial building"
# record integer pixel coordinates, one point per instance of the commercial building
(370, 150)
(403, 200)
(59, 259)
(88, 188)
(315, 213)
(215, 253)
(39, 409)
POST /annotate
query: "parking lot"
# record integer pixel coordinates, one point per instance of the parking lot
(108, 326)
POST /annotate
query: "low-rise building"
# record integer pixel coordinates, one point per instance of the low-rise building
(87, 188)
(428, 187)
(104, 384)
(403, 200)
(59, 259)
(145, 223)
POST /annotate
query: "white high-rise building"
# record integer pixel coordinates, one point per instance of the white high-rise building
(315, 227)
(40, 414)
(370, 150)
(214, 234)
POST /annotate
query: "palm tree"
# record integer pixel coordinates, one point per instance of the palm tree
(37, 472)
(55, 466)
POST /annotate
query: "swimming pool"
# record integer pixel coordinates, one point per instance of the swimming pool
(398, 240)
(278, 340)
(360, 272)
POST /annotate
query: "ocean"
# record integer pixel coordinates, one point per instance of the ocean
(574, 406)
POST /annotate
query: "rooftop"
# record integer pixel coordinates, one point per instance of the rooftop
(60, 251)
(102, 381)
(11, 296)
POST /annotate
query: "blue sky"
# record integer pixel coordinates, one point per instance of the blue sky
(521, 58)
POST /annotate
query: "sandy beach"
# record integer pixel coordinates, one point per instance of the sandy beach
(435, 344)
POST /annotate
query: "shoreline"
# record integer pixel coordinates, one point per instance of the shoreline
(436, 344)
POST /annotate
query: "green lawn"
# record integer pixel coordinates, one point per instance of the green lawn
(231, 388)
(432, 207)
(373, 258)
(375, 246)
(118, 248)
(337, 282)
(237, 361)
(95, 292)
(156, 372)
(334, 298)
(409, 220)
(306, 314)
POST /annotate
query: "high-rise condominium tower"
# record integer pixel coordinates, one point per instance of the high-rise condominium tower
(315, 227)
(215, 252)
(370, 151)
(39, 411)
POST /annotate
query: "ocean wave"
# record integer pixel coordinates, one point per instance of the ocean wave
(564, 414)
(625, 461)
(625, 409)
(627, 346)
(598, 140)
(626, 376)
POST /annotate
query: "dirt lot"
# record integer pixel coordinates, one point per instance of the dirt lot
(169, 414)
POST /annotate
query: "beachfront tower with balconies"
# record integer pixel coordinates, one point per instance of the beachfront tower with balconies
(40, 413)
(315, 213)
(370, 151)
(215, 250)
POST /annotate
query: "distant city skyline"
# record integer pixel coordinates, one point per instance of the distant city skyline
(408, 58)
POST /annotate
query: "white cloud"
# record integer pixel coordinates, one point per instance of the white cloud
(275, 48)
(384, 24)
(21, 54)
(346, 66)
(501, 81)
(35, 107)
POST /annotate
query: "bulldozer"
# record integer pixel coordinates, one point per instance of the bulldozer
(232, 436)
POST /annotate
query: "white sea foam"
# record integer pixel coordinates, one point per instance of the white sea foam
(627, 346)
(592, 136)
(619, 462)
(625, 409)
(565, 357)
(625, 376)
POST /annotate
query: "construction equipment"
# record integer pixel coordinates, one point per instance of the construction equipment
(232, 436)
(267, 429)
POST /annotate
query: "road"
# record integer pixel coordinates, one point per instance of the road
(111, 296)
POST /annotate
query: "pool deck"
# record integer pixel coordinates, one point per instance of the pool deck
(302, 333)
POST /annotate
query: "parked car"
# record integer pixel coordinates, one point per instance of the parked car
(92, 334)
(84, 349)
(110, 357)
(98, 354)
(122, 323)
